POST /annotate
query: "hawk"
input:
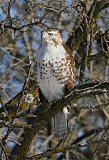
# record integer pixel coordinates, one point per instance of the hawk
(55, 70)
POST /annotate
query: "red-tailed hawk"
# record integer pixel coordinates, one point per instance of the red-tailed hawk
(55, 69)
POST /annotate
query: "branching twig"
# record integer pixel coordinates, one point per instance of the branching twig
(47, 115)
(71, 147)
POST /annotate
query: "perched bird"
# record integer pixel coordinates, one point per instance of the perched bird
(55, 70)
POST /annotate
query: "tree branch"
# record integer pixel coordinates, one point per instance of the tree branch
(75, 40)
(73, 146)
(29, 133)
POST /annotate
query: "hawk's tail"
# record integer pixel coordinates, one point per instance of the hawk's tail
(60, 120)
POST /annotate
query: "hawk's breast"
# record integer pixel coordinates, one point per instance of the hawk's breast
(52, 71)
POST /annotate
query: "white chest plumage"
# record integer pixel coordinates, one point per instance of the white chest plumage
(51, 73)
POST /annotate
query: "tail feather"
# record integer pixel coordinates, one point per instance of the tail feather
(61, 123)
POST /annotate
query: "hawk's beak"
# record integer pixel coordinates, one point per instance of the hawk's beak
(44, 35)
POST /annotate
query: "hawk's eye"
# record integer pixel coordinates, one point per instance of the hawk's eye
(50, 34)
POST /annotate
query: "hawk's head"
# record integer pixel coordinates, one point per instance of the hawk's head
(51, 36)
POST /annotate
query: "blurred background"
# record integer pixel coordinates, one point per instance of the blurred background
(21, 23)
